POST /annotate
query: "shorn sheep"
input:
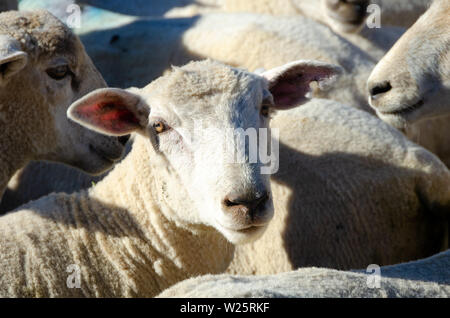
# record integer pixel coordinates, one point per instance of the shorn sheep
(44, 68)
(350, 191)
(410, 86)
(166, 211)
(403, 280)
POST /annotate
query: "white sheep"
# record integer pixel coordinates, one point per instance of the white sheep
(166, 211)
(44, 68)
(422, 279)
(348, 186)
(409, 88)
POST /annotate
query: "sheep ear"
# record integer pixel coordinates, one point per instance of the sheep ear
(110, 111)
(12, 58)
(289, 84)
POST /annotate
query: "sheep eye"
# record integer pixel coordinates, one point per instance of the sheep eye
(265, 110)
(160, 127)
(58, 72)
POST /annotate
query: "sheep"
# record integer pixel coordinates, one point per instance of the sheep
(153, 222)
(43, 60)
(348, 186)
(394, 281)
(7, 5)
(409, 87)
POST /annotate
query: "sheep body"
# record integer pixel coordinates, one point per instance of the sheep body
(395, 281)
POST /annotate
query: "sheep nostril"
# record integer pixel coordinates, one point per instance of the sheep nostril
(380, 88)
(231, 204)
(123, 139)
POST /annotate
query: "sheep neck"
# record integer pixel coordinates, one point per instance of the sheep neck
(154, 251)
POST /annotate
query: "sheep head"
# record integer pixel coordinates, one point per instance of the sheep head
(412, 82)
(43, 69)
(197, 120)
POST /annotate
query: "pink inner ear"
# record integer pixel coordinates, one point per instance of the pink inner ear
(287, 94)
(290, 89)
(110, 115)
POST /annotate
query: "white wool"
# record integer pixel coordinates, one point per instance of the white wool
(426, 278)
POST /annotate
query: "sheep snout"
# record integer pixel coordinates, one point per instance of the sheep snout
(247, 212)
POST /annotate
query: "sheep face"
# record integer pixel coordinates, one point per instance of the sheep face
(345, 15)
(193, 118)
(412, 82)
(44, 61)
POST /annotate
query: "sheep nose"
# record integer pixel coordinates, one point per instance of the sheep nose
(245, 207)
(376, 89)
